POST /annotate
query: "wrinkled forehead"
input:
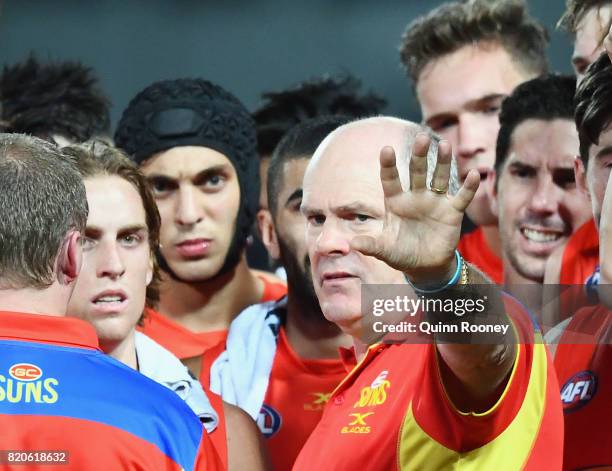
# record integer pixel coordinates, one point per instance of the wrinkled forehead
(353, 151)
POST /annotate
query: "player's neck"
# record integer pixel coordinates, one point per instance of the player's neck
(49, 301)
(213, 304)
(310, 335)
(491, 236)
(123, 350)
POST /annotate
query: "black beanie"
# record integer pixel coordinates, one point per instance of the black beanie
(195, 112)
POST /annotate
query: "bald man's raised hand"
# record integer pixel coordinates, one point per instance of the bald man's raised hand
(422, 226)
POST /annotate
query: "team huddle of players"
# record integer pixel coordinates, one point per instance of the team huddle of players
(141, 326)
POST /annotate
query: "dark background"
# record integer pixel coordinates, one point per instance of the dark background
(245, 46)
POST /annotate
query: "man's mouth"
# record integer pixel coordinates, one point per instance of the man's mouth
(337, 276)
(193, 247)
(541, 236)
(110, 301)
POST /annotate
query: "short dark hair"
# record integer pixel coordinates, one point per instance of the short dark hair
(322, 96)
(546, 98)
(53, 98)
(454, 25)
(97, 158)
(593, 102)
(575, 11)
(42, 199)
(300, 142)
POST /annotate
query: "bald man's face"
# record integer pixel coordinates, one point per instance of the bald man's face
(343, 198)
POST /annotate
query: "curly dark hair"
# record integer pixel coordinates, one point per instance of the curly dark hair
(593, 102)
(321, 96)
(454, 25)
(301, 141)
(53, 98)
(575, 10)
(546, 98)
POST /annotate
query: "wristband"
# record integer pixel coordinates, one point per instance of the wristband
(453, 281)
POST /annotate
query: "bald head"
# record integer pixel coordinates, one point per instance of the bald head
(359, 144)
(343, 198)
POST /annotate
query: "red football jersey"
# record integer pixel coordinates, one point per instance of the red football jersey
(584, 366)
(581, 255)
(59, 393)
(473, 248)
(298, 390)
(392, 413)
(187, 344)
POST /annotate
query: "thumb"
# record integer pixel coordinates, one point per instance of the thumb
(367, 245)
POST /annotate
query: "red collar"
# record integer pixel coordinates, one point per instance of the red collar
(64, 331)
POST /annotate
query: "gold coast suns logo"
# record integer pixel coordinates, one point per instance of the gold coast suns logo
(376, 393)
(25, 383)
(370, 396)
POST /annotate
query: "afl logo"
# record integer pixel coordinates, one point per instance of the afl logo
(25, 372)
(269, 421)
(578, 390)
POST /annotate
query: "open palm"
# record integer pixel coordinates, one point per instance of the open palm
(422, 226)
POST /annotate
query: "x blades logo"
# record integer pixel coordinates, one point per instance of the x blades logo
(318, 402)
(358, 424)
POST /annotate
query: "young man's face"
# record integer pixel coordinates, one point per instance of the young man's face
(537, 201)
(588, 43)
(460, 96)
(111, 288)
(198, 196)
(597, 172)
(343, 198)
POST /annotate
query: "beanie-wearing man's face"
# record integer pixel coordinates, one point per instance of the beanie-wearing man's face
(588, 43)
(198, 197)
(538, 203)
(460, 96)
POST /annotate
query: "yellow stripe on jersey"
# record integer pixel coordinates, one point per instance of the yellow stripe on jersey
(501, 397)
(509, 451)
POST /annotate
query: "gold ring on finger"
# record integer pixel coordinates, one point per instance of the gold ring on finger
(439, 191)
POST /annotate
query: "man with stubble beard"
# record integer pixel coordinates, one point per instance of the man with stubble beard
(294, 358)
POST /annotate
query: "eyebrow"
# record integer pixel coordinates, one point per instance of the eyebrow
(96, 231)
(354, 207)
(215, 169)
(606, 150)
(470, 104)
(520, 164)
(296, 195)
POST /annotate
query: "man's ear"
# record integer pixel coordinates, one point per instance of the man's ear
(268, 233)
(580, 175)
(491, 188)
(70, 258)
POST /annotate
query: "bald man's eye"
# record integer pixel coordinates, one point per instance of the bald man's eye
(316, 219)
(362, 218)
